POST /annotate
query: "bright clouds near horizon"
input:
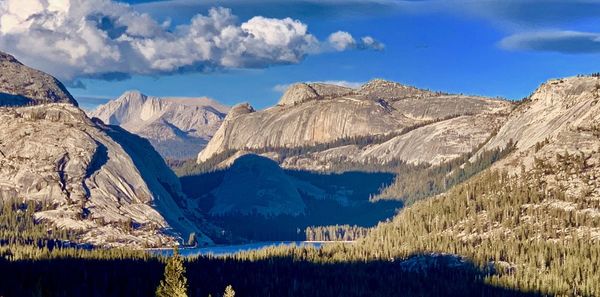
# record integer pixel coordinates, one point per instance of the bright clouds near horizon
(104, 39)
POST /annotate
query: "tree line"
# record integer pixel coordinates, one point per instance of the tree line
(335, 233)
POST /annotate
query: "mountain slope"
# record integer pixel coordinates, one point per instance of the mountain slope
(177, 127)
(21, 85)
(371, 123)
(558, 126)
(107, 186)
(531, 223)
(98, 178)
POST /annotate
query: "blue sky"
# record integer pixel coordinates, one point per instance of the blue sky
(492, 48)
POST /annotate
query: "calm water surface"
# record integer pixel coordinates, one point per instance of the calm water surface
(232, 249)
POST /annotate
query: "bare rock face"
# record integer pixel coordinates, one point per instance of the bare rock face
(102, 181)
(388, 90)
(557, 133)
(431, 144)
(303, 92)
(298, 93)
(178, 128)
(555, 107)
(21, 85)
(445, 126)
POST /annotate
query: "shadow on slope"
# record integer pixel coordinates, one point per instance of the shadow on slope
(276, 276)
(14, 100)
(168, 198)
(256, 199)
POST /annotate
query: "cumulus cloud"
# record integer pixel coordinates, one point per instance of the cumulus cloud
(569, 42)
(341, 41)
(108, 40)
(281, 88)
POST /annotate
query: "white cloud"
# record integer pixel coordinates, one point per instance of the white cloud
(568, 42)
(281, 88)
(371, 43)
(105, 39)
(341, 40)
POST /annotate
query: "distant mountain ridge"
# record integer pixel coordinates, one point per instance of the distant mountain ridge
(323, 128)
(444, 126)
(178, 128)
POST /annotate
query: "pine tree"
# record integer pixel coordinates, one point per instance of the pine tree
(229, 292)
(174, 283)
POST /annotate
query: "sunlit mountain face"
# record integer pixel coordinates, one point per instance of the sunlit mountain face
(299, 148)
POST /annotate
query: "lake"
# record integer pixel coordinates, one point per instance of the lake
(231, 249)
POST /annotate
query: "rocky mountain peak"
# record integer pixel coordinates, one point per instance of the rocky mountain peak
(564, 110)
(389, 90)
(239, 109)
(4, 57)
(302, 92)
(132, 95)
(297, 93)
(178, 128)
(21, 85)
(567, 91)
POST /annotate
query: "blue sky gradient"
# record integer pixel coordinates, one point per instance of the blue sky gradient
(458, 49)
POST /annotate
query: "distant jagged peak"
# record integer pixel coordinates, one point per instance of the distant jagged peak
(21, 85)
(384, 89)
(306, 91)
(132, 95)
(138, 96)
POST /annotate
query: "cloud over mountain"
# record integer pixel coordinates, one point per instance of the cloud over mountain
(108, 40)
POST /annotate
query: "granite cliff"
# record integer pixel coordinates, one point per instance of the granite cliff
(105, 184)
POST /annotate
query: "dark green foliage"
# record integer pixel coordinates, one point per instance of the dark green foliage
(413, 183)
(278, 276)
(335, 233)
(18, 226)
(497, 223)
(174, 282)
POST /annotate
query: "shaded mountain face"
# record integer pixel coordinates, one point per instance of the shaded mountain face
(21, 85)
(107, 185)
(380, 122)
(256, 199)
(257, 185)
(178, 128)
